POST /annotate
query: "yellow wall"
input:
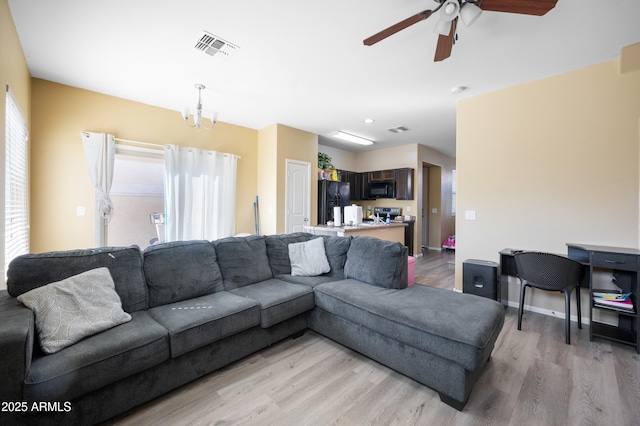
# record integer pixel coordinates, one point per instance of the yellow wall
(278, 143)
(59, 177)
(546, 163)
(15, 74)
(267, 176)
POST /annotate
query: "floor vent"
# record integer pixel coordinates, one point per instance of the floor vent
(214, 46)
(399, 129)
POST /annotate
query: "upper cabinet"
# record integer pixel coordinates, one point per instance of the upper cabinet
(359, 182)
(404, 184)
(382, 176)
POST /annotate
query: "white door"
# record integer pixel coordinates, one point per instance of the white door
(298, 195)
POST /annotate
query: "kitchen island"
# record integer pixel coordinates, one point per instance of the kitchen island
(391, 232)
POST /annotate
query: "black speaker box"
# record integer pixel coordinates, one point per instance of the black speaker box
(482, 278)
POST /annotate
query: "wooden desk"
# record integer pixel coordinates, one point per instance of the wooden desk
(624, 264)
(508, 262)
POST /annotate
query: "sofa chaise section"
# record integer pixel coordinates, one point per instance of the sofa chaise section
(409, 331)
(437, 337)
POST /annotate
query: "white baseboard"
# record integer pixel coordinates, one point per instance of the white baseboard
(551, 313)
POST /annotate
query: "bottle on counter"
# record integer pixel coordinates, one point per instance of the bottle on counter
(388, 219)
(368, 212)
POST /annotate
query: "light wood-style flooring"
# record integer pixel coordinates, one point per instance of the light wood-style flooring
(532, 378)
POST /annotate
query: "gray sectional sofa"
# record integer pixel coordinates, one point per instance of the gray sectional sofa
(198, 306)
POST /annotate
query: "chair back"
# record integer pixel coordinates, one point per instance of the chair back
(548, 271)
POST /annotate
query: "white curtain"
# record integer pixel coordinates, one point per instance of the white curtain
(200, 194)
(99, 151)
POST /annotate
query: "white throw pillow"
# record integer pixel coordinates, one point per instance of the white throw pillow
(80, 306)
(308, 258)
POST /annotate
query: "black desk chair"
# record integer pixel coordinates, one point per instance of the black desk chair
(548, 271)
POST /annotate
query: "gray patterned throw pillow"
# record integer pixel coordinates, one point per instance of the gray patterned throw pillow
(80, 306)
(308, 259)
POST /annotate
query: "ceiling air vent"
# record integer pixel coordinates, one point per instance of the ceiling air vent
(399, 129)
(214, 46)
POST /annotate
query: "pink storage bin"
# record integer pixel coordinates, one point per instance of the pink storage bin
(412, 269)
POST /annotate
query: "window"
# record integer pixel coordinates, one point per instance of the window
(16, 225)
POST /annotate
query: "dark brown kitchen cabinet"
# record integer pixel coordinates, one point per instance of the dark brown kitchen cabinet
(362, 186)
(358, 183)
(382, 176)
(404, 184)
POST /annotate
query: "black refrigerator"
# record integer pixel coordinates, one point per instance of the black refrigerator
(332, 194)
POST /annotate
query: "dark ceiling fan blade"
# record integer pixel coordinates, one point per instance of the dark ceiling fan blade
(397, 27)
(525, 7)
(445, 43)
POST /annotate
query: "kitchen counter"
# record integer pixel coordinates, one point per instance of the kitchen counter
(391, 232)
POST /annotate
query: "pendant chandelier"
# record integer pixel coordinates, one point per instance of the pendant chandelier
(197, 117)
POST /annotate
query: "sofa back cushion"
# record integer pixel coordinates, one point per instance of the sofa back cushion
(278, 250)
(181, 270)
(336, 249)
(29, 271)
(243, 260)
(377, 262)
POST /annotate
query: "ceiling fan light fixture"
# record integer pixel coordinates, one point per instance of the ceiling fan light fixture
(442, 27)
(449, 10)
(469, 13)
(352, 138)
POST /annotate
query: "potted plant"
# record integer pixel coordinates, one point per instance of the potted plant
(324, 166)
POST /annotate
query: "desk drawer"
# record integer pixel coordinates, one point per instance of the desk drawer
(625, 262)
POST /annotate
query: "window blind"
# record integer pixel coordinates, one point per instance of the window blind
(16, 183)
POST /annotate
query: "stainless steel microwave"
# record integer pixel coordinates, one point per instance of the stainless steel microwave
(382, 190)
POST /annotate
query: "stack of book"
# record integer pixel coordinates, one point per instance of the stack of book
(619, 301)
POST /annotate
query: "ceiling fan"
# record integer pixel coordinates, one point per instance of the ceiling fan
(468, 11)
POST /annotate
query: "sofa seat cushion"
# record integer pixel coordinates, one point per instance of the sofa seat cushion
(202, 320)
(459, 327)
(308, 281)
(98, 360)
(279, 300)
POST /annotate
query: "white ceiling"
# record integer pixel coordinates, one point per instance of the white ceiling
(303, 63)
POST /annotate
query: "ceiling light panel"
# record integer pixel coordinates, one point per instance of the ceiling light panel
(352, 138)
(215, 46)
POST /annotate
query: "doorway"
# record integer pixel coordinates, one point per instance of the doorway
(431, 207)
(425, 207)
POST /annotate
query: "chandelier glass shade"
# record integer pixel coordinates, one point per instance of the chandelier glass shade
(197, 117)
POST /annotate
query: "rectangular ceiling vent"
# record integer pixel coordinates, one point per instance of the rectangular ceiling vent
(399, 129)
(214, 46)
